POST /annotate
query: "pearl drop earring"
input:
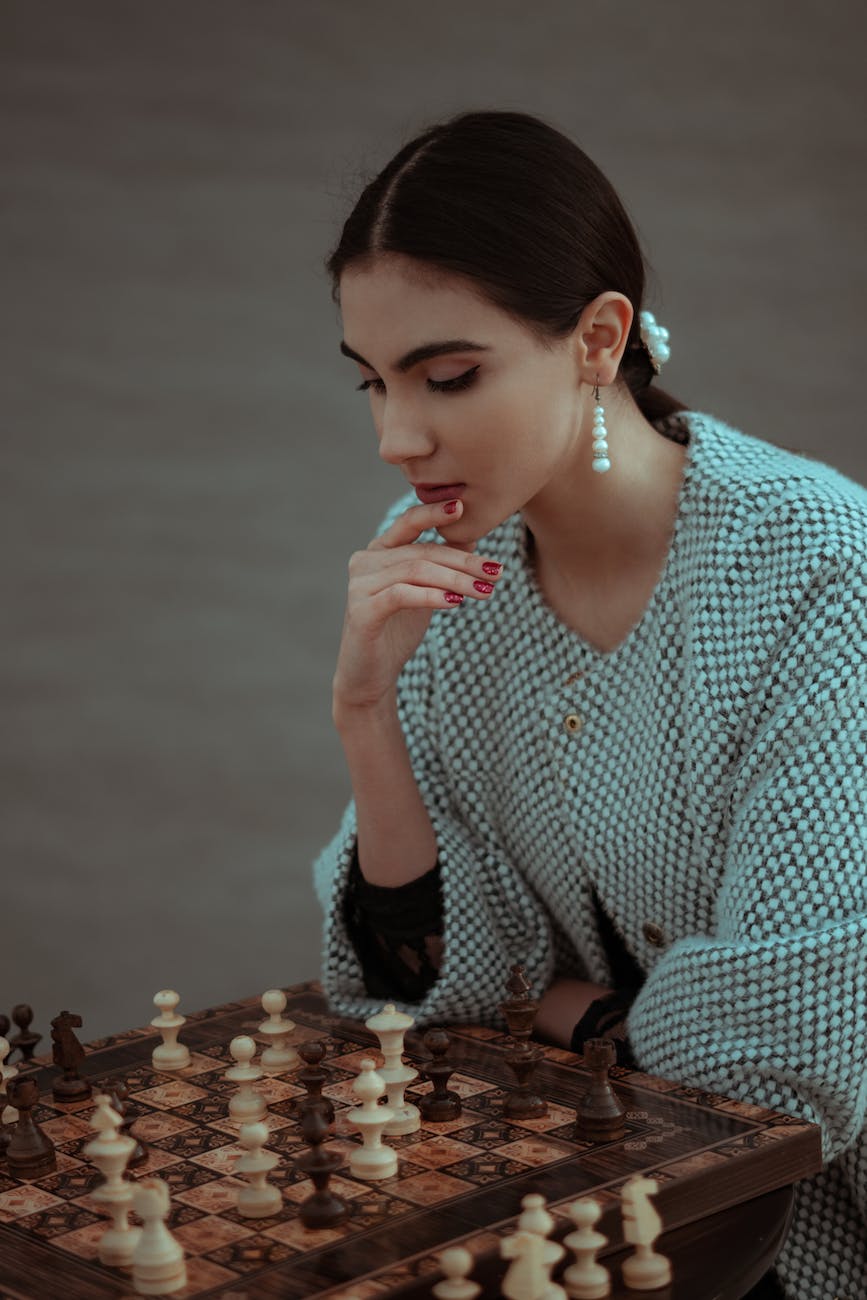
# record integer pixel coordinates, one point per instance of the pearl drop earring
(601, 462)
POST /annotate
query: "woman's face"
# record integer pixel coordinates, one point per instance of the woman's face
(493, 416)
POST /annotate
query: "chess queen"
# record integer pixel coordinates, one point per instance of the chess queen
(602, 680)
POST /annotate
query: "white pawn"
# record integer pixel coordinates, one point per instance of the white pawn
(260, 1198)
(456, 1263)
(533, 1263)
(158, 1266)
(110, 1153)
(644, 1270)
(170, 1055)
(586, 1279)
(246, 1106)
(278, 1056)
(390, 1027)
(8, 1114)
(373, 1160)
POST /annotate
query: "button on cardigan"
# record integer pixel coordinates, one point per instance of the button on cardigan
(715, 788)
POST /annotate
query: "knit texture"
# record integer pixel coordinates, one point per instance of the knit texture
(715, 788)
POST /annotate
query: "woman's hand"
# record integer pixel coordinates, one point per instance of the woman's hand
(395, 585)
(562, 1006)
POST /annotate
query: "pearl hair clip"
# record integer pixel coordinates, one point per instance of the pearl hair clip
(655, 339)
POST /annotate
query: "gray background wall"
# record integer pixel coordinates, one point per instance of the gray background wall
(185, 464)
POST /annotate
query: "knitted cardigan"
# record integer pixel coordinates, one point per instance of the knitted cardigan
(709, 784)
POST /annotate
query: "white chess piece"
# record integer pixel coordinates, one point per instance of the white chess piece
(278, 1056)
(373, 1159)
(390, 1027)
(456, 1263)
(110, 1152)
(586, 1279)
(170, 1055)
(644, 1270)
(534, 1256)
(246, 1106)
(158, 1265)
(8, 1114)
(259, 1198)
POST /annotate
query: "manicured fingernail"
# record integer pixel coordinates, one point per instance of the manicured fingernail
(454, 599)
(484, 587)
(491, 568)
(450, 507)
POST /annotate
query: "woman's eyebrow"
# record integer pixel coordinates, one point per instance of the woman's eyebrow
(422, 353)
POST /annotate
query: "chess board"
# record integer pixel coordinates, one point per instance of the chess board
(460, 1181)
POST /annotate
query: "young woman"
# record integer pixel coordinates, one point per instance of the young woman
(601, 686)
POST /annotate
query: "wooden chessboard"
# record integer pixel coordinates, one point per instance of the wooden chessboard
(457, 1182)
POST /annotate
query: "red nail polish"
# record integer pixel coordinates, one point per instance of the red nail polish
(491, 568)
(450, 507)
(484, 587)
(453, 598)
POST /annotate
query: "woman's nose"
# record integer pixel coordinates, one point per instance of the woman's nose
(402, 435)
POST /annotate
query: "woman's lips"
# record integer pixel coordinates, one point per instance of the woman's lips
(428, 493)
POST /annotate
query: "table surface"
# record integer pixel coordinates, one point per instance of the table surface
(724, 1169)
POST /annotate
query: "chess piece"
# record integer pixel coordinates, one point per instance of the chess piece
(644, 1270)
(372, 1160)
(170, 1054)
(390, 1026)
(456, 1263)
(67, 1055)
(314, 1076)
(246, 1106)
(158, 1265)
(8, 1114)
(440, 1104)
(586, 1279)
(118, 1096)
(322, 1208)
(110, 1152)
(278, 1056)
(533, 1255)
(26, 1038)
(600, 1115)
(4, 1026)
(520, 1013)
(259, 1199)
(30, 1154)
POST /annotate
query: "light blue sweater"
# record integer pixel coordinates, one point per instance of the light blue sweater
(714, 787)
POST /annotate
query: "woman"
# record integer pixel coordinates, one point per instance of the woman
(601, 686)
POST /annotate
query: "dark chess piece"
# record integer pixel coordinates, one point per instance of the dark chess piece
(323, 1208)
(600, 1114)
(118, 1096)
(314, 1076)
(26, 1038)
(30, 1154)
(68, 1055)
(520, 1012)
(7, 1072)
(440, 1104)
(4, 1027)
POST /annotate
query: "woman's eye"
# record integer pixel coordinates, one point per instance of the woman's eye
(453, 385)
(434, 385)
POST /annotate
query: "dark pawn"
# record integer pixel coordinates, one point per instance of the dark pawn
(25, 1040)
(68, 1055)
(314, 1076)
(600, 1114)
(6, 1130)
(118, 1095)
(520, 1012)
(323, 1208)
(30, 1154)
(440, 1104)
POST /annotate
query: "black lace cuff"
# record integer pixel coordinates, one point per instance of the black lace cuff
(606, 1018)
(396, 932)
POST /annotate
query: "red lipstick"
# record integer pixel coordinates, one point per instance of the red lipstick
(428, 493)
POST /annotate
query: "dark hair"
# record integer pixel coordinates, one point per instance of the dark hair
(508, 201)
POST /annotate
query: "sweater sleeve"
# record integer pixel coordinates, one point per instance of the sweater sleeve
(772, 1006)
(491, 917)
